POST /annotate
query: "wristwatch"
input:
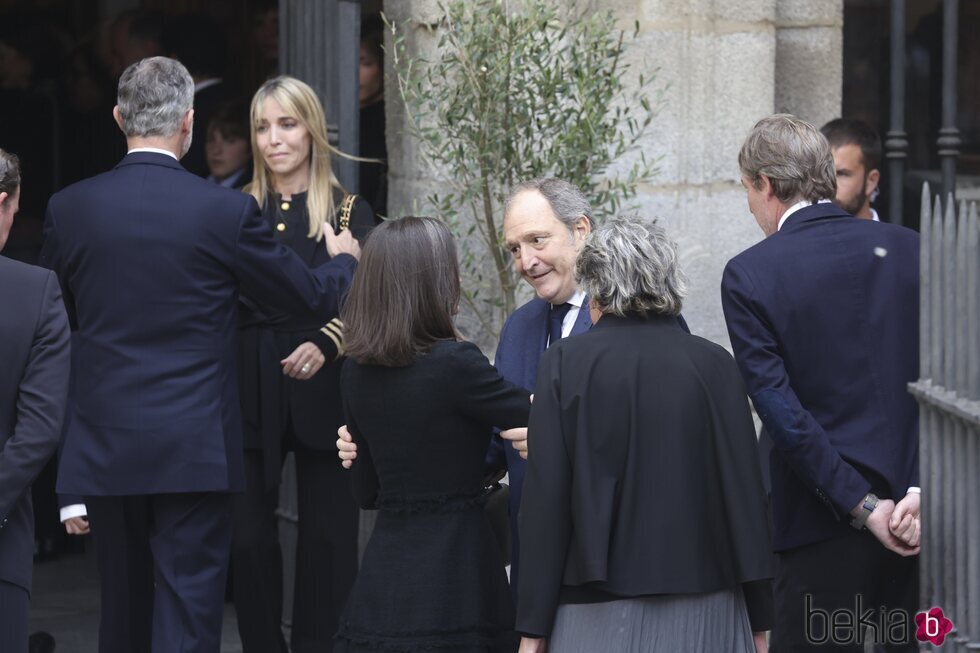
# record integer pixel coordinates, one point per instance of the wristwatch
(867, 507)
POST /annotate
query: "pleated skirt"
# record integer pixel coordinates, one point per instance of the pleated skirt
(694, 623)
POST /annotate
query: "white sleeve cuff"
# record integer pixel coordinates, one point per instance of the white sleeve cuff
(914, 490)
(74, 510)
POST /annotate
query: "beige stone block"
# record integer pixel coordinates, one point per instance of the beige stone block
(809, 73)
(810, 12)
(720, 85)
(744, 11)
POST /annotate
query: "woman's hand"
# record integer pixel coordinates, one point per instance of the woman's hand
(533, 645)
(761, 645)
(342, 243)
(305, 361)
(346, 449)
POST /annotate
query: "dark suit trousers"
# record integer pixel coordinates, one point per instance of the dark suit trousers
(163, 560)
(813, 581)
(326, 554)
(15, 604)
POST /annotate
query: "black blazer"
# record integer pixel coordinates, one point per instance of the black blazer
(35, 357)
(824, 321)
(642, 475)
(151, 260)
(270, 400)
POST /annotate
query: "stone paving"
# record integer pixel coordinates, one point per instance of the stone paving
(65, 603)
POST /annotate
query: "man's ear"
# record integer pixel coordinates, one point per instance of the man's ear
(582, 227)
(871, 181)
(118, 117)
(765, 186)
(3, 197)
(188, 123)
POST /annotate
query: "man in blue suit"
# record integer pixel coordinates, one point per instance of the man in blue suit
(823, 319)
(546, 222)
(151, 259)
(34, 349)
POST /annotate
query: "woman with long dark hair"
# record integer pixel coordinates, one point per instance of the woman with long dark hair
(420, 405)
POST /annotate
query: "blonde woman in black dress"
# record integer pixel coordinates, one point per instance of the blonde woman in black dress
(420, 405)
(290, 388)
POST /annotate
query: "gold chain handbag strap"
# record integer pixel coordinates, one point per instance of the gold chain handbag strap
(345, 209)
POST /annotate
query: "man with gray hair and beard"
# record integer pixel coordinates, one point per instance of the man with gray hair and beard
(151, 260)
(823, 318)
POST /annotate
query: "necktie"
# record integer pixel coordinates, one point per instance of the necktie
(557, 316)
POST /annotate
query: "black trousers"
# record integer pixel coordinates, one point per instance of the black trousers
(827, 594)
(163, 561)
(326, 554)
(15, 606)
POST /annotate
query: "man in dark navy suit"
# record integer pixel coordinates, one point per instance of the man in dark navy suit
(151, 259)
(34, 350)
(823, 318)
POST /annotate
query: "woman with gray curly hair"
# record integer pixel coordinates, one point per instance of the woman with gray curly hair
(643, 520)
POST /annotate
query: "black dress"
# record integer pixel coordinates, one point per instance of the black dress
(432, 577)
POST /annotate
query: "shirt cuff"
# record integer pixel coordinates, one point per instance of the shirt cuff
(914, 490)
(74, 510)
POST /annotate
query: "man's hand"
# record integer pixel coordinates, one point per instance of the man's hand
(346, 449)
(77, 526)
(878, 522)
(761, 644)
(342, 243)
(904, 523)
(518, 439)
(305, 361)
(533, 645)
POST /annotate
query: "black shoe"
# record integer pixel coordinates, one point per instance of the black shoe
(40, 642)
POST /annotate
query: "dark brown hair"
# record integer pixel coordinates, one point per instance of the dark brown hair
(846, 131)
(404, 294)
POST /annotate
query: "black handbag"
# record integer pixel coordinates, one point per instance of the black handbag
(497, 509)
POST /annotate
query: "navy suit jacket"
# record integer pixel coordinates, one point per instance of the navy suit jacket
(34, 351)
(151, 259)
(824, 322)
(522, 342)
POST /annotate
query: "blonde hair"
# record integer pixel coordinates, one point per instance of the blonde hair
(301, 102)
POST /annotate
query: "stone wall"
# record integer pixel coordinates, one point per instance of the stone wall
(727, 65)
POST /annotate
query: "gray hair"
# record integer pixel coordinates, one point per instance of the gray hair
(794, 155)
(9, 172)
(629, 266)
(566, 199)
(153, 97)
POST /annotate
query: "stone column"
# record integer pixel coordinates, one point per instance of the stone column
(809, 56)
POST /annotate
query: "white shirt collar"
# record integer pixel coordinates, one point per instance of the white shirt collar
(155, 150)
(874, 215)
(796, 207)
(200, 86)
(577, 298)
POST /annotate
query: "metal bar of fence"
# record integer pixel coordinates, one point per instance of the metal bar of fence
(958, 298)
(949, 135)
(934, 474)
(972, 290)
(951, 559)
(896, 141)
(927, 588)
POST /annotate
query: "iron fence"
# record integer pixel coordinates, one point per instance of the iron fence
(948, 392)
